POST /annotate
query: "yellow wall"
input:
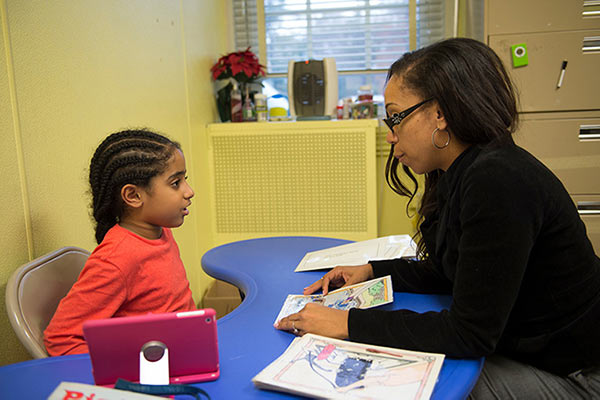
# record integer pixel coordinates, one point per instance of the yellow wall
(73, 71)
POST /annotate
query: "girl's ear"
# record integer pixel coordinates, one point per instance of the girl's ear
(131, 196)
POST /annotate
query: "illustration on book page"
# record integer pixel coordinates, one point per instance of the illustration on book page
(329, 368)
(373, 293)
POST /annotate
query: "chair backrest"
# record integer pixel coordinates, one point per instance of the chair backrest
(34, 291)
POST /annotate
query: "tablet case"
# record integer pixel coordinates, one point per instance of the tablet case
(191, 338)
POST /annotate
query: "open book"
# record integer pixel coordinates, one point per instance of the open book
(373, 293)
(327, 368)
(358, 253)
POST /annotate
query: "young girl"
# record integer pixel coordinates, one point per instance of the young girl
(139, 190)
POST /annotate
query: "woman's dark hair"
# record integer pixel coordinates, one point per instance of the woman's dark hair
(126, 157)
(475, 94)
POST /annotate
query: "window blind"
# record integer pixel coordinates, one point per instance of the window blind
(362, 35)
(245, 22)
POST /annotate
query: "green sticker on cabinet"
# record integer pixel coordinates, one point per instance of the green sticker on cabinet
(519, 55)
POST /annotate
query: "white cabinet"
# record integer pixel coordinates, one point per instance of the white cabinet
(313, 178)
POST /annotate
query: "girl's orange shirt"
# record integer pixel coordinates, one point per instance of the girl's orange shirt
(125, 275)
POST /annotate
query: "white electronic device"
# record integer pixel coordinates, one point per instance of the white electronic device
(313, 88)
(154, 363)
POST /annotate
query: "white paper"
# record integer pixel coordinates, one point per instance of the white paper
(373, 293)
(328, 368)
(73, 390)
(359, 253)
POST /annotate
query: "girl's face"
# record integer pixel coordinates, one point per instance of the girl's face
(166, 200)
(411, 138)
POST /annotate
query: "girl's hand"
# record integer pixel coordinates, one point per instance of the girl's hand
(317, 319)
(340, 277)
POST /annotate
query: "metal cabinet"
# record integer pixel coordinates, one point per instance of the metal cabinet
(538, 80)
(560, 123)
(589, 209)
(510, 16)
(568, 144)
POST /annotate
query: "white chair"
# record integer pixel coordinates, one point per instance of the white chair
(34, 290)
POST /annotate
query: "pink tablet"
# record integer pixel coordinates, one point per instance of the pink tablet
(191, 338)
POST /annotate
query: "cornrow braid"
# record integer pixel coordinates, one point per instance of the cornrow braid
(126, 157)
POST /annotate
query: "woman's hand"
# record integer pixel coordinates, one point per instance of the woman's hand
(317, 319)
(340, 277)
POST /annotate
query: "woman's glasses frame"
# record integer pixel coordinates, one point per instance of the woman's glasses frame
(396, 118)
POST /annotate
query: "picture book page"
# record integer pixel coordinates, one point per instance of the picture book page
(336, 369)
(373, 293)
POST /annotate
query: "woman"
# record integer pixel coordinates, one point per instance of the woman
(498, 232)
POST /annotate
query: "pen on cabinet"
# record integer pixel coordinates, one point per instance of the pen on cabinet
(562, 74)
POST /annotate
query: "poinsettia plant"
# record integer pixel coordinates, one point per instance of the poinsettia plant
(243, 66)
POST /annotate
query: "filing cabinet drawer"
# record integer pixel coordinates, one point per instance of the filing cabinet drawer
(589, 210)
(568, 144)
(510, 16)
(537, 81)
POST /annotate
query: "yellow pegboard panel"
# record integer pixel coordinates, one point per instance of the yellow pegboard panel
(297, 178)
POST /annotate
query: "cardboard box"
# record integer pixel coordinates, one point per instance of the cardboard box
(222, 297)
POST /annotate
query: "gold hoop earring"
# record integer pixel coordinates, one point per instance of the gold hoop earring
(435, 144)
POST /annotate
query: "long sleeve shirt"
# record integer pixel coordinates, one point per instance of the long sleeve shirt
(125, 275)
(508, 244)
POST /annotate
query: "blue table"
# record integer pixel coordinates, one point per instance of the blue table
(263, 270)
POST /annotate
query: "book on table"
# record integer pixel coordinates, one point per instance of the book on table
(368, 294)
(322, 367)
(358, 253)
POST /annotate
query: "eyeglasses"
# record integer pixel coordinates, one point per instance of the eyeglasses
(396, 118)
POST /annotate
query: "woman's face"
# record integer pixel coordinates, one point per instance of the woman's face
(412, 137)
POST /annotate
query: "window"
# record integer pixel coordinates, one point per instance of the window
(364, 36)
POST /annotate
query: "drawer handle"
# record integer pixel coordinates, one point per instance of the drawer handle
(588, 207)
(590, 8)
(589, 132)
(591, 44)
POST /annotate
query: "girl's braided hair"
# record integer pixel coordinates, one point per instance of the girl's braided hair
(126, 157)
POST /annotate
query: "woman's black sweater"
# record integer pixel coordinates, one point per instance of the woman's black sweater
(509, 246)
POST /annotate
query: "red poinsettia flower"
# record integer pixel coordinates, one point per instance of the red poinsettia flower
(243, 66)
